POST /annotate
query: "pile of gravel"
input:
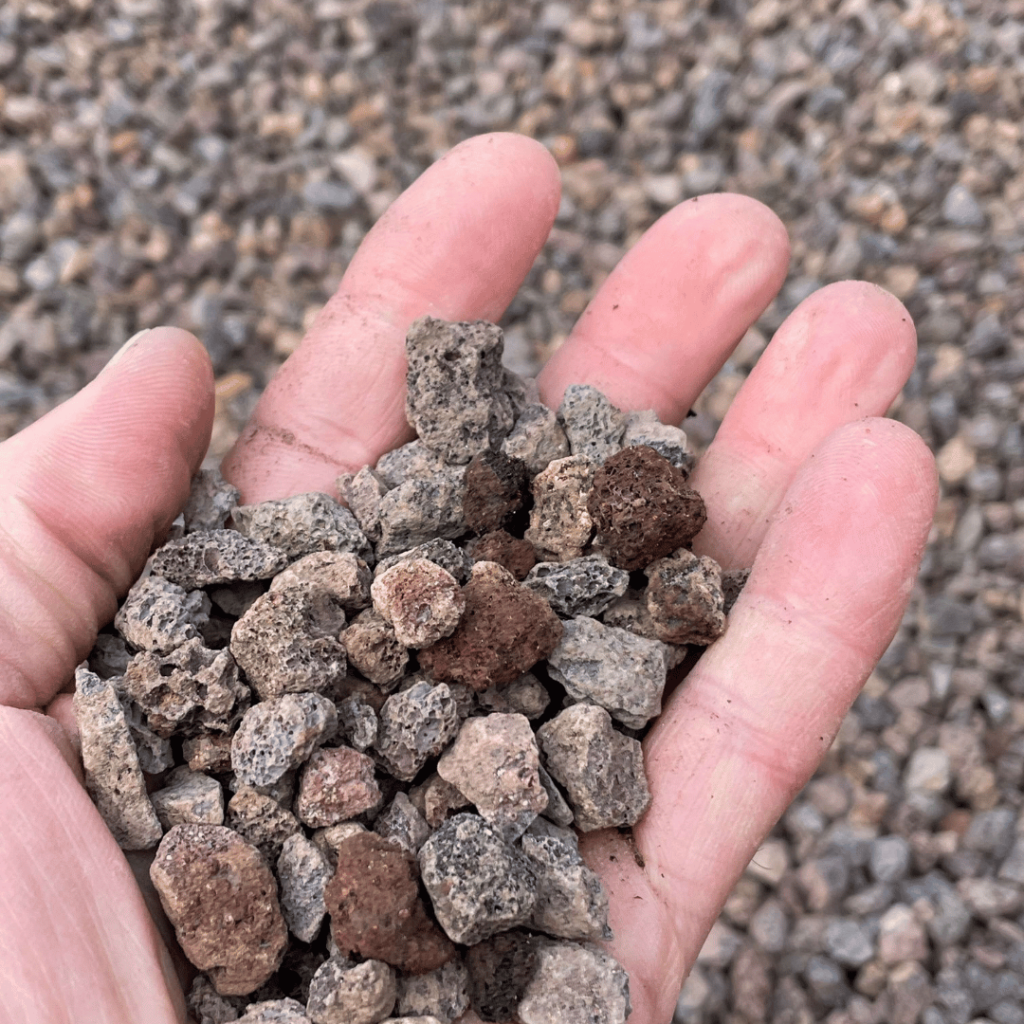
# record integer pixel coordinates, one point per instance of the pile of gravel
(216, 165)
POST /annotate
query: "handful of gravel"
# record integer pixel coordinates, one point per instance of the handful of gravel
(396, 716)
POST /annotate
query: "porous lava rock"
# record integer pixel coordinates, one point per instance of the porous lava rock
(421, 601)
(496, 486)
(513, 553)
(685, 599)
(336, 784)
(217, 556)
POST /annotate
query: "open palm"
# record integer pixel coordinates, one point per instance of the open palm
(829, 505)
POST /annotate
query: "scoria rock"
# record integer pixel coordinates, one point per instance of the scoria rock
(221, 897)
(435, 799)
(235, 599)
(374, 650)
(357, 722)
(601, 770)
(210, 501)
(109, 656)
(402, 823)
(526, 695)
(422, 509)
(642, 508)
(416, 725)
(301, 524)
(208, 752)
(277, 735)
(189, 797)
(478, 883)
(459, 399)
(112, 773)
(573, 984)
(217, 556)
(158, 615)
(495, 762)
(622, 672)
(376, 910)
(537, 438)
(496, 486)
(410, 461)
(505, 630)
(275, 1011)
(592, 424)
(155, 752)
(685, 599)
(512, 553)
(733, 582)
(303, 872)
(261, 820)
(362, 493)
(444, 553)
(644, 428)
(344, 576)
(560, 524)
(345, 993)
(336, 784)
(207, 1007)
(442, 994)
(499, 970)
(581, 586)
(421, 601)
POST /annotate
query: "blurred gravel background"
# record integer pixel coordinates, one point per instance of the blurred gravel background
(215, 165)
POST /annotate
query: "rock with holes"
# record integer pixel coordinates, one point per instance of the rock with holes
(421, 601)
(210, 501)
(345, 577)
(593, 426)
(207, 557)
(158, 615)
(685, 599)
(581, 586)
(560, 523)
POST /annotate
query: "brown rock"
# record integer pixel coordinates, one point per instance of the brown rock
(336, 784)
(437, 799)
(261, 820)
(642, 508)
(346, 577)
(374, 650)
(512, 553)
(505, 630)
(376, 909)
(421, 601)
(496, 488)
(685, 599)
(221, 897)
(560, 523)
(208, 753)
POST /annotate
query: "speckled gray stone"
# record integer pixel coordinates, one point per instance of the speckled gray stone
(209, 1007)
(560, 525)
(421, 509)
(301, 524)
(287, 642)
(444, 553)
(526, 695)
(581, 586)
(410, 461)
(592, 424)
(217, 556)
(342, 575)
(374, 650)
(575, 984)
(441, 995)
(210, 501)
(478, 883)
(602, 770)
(158, 615)
(402, 823)
(113, 776)
(557, 810)
(644, 428)
(345, 993)
(302, 872)
(275, 1011)
(189, 797)
(362, 493)
(421, 601)
(279, 734)
(261, 820)
(685, 598)
(537, 438)
(358, 722)
(612, 667)
(415, 725)
(459, 398)
(191, 687)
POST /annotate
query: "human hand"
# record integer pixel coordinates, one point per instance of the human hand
(832, 509)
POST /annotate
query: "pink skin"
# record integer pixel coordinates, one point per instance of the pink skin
(831, 507)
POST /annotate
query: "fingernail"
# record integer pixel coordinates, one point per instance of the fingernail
(127, 345)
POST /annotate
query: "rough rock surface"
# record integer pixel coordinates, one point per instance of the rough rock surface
(526, 695)
(189, 797)
(642, 508)
(442, 993)
(362, 493)
(460, 398)
(210, 501)
(499, 969)
(478, 883)
(421, 601)
(421, 509)
(343, 575)
(336, 784)
(279, 734)
(560, 523)
(217, 556)
(357, 721)
(537, 438)
(435, 799)
(412, 461)
(303, 872)
(342, 992)
(210, 752)
(685, 598)
(505, 630)
(512, 553)
(374, 650)
(261, 820)
(113, 776)
(402, 823)
(575, 983)
(495, 490)
(444, 553)
(158, 615)
(580, 586)
(221, 897)
(644, 428)
(592, 424)
(275, 1011)
(416, 725)
(601, 770)
(376, 909)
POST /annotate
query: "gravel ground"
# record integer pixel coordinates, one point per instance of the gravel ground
(215, 164)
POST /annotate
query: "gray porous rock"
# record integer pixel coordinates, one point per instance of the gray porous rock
(421, 601)
(526, 695)
(592, 424)
(261, 820)
(560, 525)
(580, 586)
(374, 650)
(275, 1011)
(192, 687)
(630, 612)
(158, 615)
(358, 722)
(495, 762)
(416, 725)
(412, 461)
(156, 754)
(442, 994)
(302, 524)
(287, 642)
(189, 798)
(422, 509)
(537, 438)
(109, 656)
(113, 776)
(210, 501)
(279, 734)
(362, 493)
(602, 770)
(302, 872)
(402, 823)
(459, 399)
(345, 577)
(644, 428)
(612, 667)
(208, 1007)
(342, 992)
(478, 883)
(685, 599)
(221, 897)
(444, 553)
(575, 983)
(571, 902)
(217, 556)
(336, 784)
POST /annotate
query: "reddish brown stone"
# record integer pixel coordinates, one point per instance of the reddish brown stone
(495, 490)
(512, 553)
(210, 752)
(685, 599)
(505, 630)
(376, 908)
(642, 508)
(337, 784)
(221, 897)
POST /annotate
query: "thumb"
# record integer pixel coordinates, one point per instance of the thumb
(84, 494)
